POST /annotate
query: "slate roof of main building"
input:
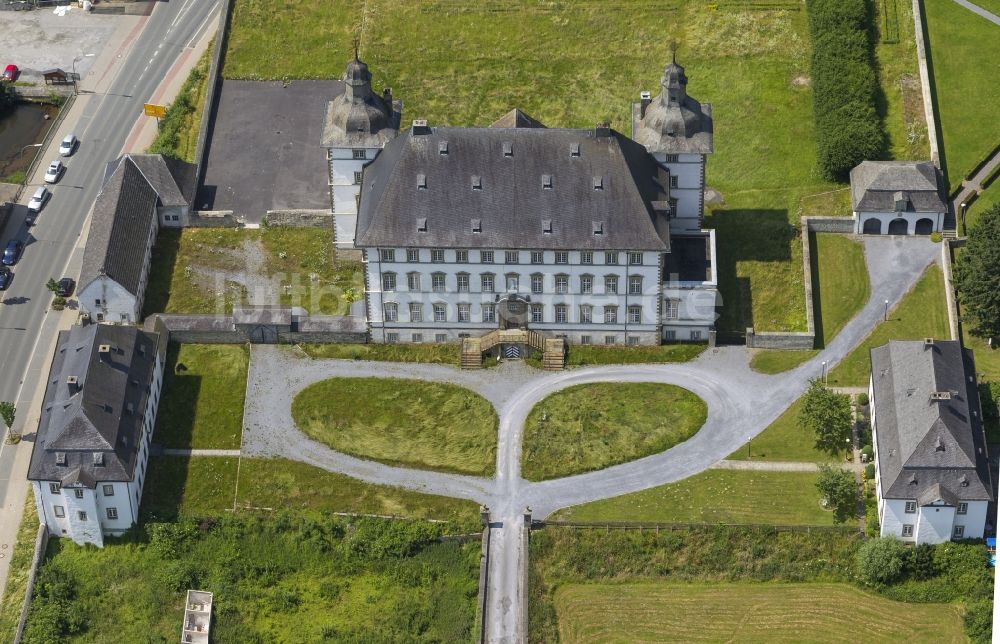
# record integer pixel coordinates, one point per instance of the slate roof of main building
(103, 412)
(929, 446)
(874, 185)
(421, 191)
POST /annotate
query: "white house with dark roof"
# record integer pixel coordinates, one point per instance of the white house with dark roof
(140, 193)
(897, 198)
(584, 234)
(88, 463)
(931, 470)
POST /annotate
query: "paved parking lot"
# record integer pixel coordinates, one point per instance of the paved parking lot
(40, 39)
(263, 150)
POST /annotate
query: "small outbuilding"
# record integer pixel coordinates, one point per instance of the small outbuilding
(57, 77)
(897, 198)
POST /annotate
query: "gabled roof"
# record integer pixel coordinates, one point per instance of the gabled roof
(172, 180)
(876, 185)
(514, 119)
(90, 428)
(929, 422)
(124, 213)
(427, 187)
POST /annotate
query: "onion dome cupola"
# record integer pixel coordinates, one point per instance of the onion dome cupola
(359, 117)
(673, 122)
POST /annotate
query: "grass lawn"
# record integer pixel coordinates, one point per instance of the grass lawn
(444, 353)
(922, 313)
(784, 440)
(208, 270)
(987, 199)
(288, 578)
(966, 85)
(651, 611)
(715, 496)
(579, 355)
(840, 291)
(899, 78)
(428, 425)
(188, 487)
(593, 426)
(17, 574)
(202, 406)
(178, 132)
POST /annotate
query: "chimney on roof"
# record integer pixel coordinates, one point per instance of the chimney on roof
(602, 129)
(72, 381)
(928, 342)
(645, 98)
(420, 127)
(940, 396)
(387, 97)
(104, 349)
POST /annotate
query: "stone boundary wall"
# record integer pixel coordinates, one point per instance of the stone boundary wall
(43, 92)
(41, 542)
(213, 219)
(300, 218)
(220, 329)
(949, 289)
(214, 74)
(925, 81)
(484, 576)
(524, 572)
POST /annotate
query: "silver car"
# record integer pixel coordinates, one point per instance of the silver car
(38, 199)
(54, 171)
(68, 145)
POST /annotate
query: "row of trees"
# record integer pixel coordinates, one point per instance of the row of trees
(848, 127)
(977, 276)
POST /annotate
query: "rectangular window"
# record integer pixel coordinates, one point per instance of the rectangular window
(440, 313)
(486, 281)
(391, 311)
(417, 338)
(696, 335)
(586, 257)
(413, 255)
(54, 488)
(963, 508)
(635, 285)
(416, 312)
(357, 177)
(537, 257)
(81, 515)
(512, 282)
(510, 257)
(562, 257)
(633, 340)
(440, 337)
(611, 284)
(464, 312)
(635, 314)
(673, 309)
(610, 257)
(489, 313)
(388, 281)
(462, 280)
(486, 256)
(536, 313)
(561, 313)
(109, 490)
(562, 283)
(673, 181)
(959, 532)
(537, 281)
(59, 511)
(609, 339)
(113, 514)
(462, 256)
(635, 258)
(78, 493)
(388, 254)
(413, 281)
(672, 158)
(392, 338)
(610, 314)
(586, 314)
(584, 339)
(907, 530)
(358, 154)
(911, 507)
(670, 335)
(437, 282)
(586, 283)
(437, 256)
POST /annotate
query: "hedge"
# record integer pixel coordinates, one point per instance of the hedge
(848, 127)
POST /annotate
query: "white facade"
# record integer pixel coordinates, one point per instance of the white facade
(687, 189)
(346, 167)
(85, 515)
(898, 223)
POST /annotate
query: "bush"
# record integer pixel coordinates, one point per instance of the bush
(862, 400)
(868, 454)
(881, 561)
(870, 471)
(979, 620)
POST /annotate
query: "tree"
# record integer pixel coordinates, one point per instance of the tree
(977, 275)
(839, 490)
(827, 415)
(7, 411)
(8, 98)
(880, 561)
(52, 285)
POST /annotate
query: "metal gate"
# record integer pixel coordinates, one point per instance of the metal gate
(512, 351)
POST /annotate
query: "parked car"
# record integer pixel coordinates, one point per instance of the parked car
(54, 172)
(10, 73)
(66, 286)
(13, 252)
(38, 199)
(68, 145)
(5, 276)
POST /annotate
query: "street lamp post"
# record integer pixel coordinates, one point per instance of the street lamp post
(80, 57)
(749, 438)
(885, 316)
(30, 145)
(824, 373)
(963, 207)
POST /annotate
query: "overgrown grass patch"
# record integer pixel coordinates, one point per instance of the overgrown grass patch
(922, 313)
(593, 426)
(188, 487)
(428, 425)
(901, 102)
(204, 387)
(715, 496)
(583, 355)
(20, 557)
(444, 353)
(177, 134)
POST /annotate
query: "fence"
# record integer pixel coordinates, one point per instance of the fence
(657, 527)
(45, 143)
(41, 541)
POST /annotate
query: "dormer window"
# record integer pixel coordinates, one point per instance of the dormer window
(574, 149)
(477, 182)
(422, 224)
(598, 183)
(597, 227)
(422, 181)
(443, 148)
(98, 458)
(508, 149)
(477, 225)
(60, 458)
(547, 226)
(547, 182)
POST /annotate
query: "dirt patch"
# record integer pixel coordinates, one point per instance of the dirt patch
(801, 81)
(240, 271)
(913, 109)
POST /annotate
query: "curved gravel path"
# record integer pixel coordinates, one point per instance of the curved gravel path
(741, 404)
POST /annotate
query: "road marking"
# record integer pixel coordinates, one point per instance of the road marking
(199, 32)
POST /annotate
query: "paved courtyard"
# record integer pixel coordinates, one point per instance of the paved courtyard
(39, 40)
(264, 148)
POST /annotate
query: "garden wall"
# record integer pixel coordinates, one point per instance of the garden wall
(41, 543)
(300, 218)
(221, 329)
(213, 219)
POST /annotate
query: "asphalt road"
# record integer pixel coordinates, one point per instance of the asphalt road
(106, 121)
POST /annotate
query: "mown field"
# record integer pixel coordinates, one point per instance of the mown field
(784, 440)
(715, 612)
(428, 425)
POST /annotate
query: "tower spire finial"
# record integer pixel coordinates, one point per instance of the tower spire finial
(673, 51)
(356, 42)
